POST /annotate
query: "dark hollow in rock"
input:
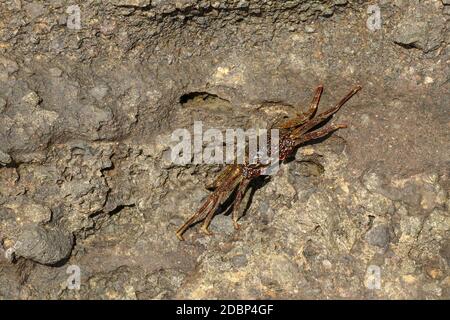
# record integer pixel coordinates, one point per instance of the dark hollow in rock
(199, 98)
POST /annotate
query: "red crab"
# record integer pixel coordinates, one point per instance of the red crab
(293, 132)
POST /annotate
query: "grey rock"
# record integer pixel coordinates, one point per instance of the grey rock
(378, 236)
(374, 181)
(239, 261)
(9, 65)
(132, 3)
(32, 99)
(445, 251)
(243, 4)
(309, 29)
(34, 9)
(416, 31)
(44, 245)
(99, 92)
(2, 104)
(5, 158)
(222, 224)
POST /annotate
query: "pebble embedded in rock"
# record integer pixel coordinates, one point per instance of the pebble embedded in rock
(99, 92)
(132, 3)
(44, 245)
(37, 213)
(309, 29)
(2, 104)
(378, 236)
(5, 158)
(445, 252)
(222, 224)
(411, 35)
(35, 10)
(55, 72)
(416, 31)
(239, 261)
(373, 181)
(32, 99)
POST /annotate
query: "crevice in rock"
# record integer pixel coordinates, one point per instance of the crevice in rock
(200, 98)
(120, 208)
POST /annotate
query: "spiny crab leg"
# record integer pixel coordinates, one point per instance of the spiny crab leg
(318, 134)
(324, 115)
(237, 202)
(209, 205)
(210, 215)
(225, 186)
(303, 117)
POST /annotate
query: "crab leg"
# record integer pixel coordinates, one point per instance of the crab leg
(209, 207)
(324, 115)
(223, 193)
(318, 134)
(225, 173)
(210, 215)
(302, 117)
(240, 193)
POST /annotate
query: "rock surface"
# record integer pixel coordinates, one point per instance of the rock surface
(46, 246)
(87, 113)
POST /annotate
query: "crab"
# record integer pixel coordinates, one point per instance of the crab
(236, 178)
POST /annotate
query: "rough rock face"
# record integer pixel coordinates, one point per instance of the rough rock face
(42, 245)
(86, 116)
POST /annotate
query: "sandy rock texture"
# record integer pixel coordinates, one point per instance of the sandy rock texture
(86, 115)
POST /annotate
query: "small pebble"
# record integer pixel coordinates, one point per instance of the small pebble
(2, 105)
(239, 261)
(222, 224)
(55, 72)
(310, 29)
(428, 80)
(43, 245)
(378, 236)
(32, 99)
(5, 158)
(99, 92)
